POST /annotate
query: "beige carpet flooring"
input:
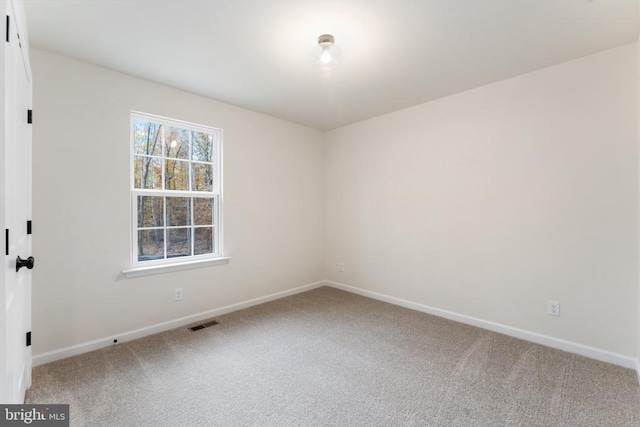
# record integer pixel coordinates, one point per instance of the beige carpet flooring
(331, 358)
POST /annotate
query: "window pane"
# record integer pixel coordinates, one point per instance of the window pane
(148, 173)
(176, 175)
(146, 138)
(178, 211)
(150, 211)
(176, 143)
(204, 240)
(202, 177)
(203, 211)
(178, 242)
(202, 147)
(150, 245)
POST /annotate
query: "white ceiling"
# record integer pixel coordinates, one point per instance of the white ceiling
(396, 53)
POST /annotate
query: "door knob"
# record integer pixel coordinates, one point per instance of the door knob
(24, 263)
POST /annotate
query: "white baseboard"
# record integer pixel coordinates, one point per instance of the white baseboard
(572, 347)
(63, 353)
(560, 344)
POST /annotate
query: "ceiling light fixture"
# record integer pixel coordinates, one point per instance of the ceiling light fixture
(326, 55)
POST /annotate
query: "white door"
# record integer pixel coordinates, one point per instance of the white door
(15, 195)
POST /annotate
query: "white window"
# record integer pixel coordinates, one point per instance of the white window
(176, 180)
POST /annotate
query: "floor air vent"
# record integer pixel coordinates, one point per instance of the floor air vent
(204, 325)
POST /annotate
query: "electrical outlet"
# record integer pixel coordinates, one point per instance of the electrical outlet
(178, 294)
(553, 308)
(341, 266)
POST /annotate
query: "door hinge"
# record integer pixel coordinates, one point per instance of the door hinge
(8, 22)
(6, 241)
(28, 338)
(29, 227)
(29, 116)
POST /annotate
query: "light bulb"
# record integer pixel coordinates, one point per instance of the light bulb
(326, 54)
(325, 57)
(174, 143)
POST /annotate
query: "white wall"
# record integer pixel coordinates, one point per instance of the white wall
(273, 210)
(490, 202)
(638, 141)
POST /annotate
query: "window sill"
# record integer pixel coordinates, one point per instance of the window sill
(168, 268)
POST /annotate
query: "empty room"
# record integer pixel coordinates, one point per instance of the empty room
(320, 213)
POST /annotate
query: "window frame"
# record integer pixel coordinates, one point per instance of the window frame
(215, 195)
